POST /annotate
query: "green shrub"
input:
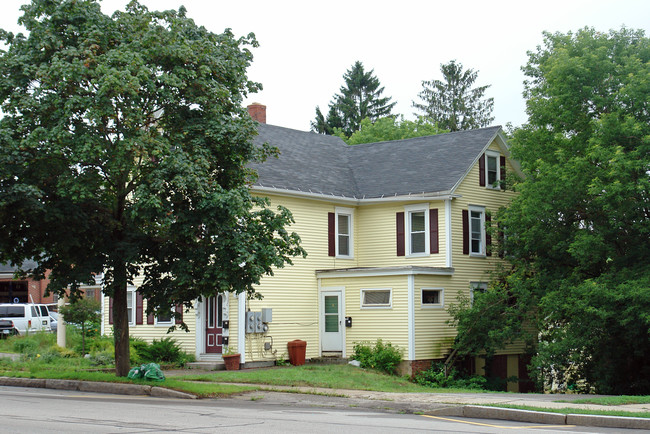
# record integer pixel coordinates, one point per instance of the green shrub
(101, 358)
(435, 377)
(101, 343)
(383, 357)
(163, 350)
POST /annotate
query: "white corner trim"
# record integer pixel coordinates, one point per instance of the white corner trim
(241, 324)
(411, 317)
(448, 238)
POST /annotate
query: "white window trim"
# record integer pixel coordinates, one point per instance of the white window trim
(165, 323)
(473, 286)
(497, 184)
(408, 210)
(130, 292)
(380, 306)
(350, 213)
(481, 209)
(439, 305)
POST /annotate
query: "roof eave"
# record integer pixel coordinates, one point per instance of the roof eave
(412, 197)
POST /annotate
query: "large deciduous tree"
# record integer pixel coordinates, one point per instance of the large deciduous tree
(359, 98)
(391, 128)
(453, 103)
(578, 234)
(123, 150)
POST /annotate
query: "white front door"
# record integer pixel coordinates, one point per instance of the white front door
(331, 321)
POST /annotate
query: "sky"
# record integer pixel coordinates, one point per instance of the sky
(307, 46)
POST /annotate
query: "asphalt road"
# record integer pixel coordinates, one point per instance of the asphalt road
(45, 411)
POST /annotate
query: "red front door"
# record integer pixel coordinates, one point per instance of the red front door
(213, 324)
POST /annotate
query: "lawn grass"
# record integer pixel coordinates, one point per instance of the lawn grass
(327, 376)
(202, 390)
(612, 400)
(575, 410)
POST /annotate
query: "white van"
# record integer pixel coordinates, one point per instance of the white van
(27, 317)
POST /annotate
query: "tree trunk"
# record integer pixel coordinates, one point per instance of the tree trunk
(121, 322)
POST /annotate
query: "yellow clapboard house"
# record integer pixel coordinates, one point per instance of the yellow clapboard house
(394, 231)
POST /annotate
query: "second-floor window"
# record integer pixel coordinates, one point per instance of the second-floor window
(417, 229)
(476, 231)
(343, 234)
(340, 233)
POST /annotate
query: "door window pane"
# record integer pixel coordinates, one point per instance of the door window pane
(331, 313)
(331, 304)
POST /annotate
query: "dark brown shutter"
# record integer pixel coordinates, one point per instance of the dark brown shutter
(331, 234)
(150, 319)
(502, 163)
(110, 310)
(488, 236)
(179, 313)
(399, 220)
(138, 308)
(465, 232)
(481, 171)
(433, 230)
(501, 241)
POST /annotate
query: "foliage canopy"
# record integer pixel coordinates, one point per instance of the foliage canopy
(123, 150)
(577, 235)
(390, 128)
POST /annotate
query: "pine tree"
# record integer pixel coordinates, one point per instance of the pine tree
(453, 104)
(359, 98)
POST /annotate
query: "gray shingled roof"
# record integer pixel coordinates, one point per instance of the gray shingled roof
(7, 268)
(316, 163)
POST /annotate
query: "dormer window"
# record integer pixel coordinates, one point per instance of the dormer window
(492, 170)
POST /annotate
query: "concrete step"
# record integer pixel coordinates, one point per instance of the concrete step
(207, 366)
(328, 360)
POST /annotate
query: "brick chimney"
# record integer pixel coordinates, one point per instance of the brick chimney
(257, 112)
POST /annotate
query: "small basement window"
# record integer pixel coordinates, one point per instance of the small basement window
(432, 297)
(376, 297)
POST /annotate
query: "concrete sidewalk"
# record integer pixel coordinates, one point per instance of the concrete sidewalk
(473, 405)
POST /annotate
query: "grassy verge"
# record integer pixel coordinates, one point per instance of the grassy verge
(327, 376)
(575, 410)
(612, 400)
(203, 390)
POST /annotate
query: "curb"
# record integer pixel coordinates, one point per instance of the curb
(95, 386)
(542, 417)
(548, 418)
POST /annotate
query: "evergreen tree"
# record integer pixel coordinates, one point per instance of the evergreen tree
(453, 104)
(359, 98)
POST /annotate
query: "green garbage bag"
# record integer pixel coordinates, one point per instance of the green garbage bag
(153, 372)
(135, 373)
